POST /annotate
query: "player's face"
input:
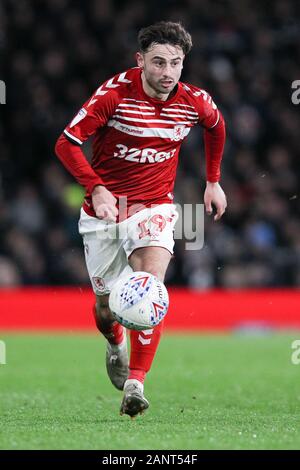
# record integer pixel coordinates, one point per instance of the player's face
(162, 65)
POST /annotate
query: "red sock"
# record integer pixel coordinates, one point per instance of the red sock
(114, 332)
(143, 348)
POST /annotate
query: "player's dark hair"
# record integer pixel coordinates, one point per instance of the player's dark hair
(165, 32)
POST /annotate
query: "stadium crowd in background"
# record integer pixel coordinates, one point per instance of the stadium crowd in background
(53, 57)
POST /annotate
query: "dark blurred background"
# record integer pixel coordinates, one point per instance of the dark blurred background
(55, 53)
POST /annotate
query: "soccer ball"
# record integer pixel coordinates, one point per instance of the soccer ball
(139, 301)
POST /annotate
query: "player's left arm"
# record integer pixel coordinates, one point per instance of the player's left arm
(214, 142)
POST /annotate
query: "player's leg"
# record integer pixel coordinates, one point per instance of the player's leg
(106, 261)
(154, 260)
(151, 259)
(144, 344)
(116, 350)
(105, 321)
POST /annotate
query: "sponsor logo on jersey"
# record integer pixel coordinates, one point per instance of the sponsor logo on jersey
(79, 116)
(148, 155)
(131, 130)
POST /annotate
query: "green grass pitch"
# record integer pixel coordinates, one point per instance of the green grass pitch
(205, 392)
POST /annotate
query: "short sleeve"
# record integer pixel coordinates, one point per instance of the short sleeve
(94, 114)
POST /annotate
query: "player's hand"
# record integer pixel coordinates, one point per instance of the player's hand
(215, 195)
(104, 203)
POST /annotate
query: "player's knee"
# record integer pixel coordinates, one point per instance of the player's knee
(155, 272)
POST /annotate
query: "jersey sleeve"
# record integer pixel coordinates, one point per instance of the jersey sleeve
(94, 114)
(209, 114)
(211, 119)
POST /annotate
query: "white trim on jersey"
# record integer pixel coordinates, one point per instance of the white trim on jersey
(72, 137)
(109, 84)
(150, 121)
(216, 120)
(146, 131)
(185, 105)
(182, 111)
(193, 119)
(134, 112)
(136, 101)
(122, 78)
(136, 106)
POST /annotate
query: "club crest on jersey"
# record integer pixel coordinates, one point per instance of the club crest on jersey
(178, 132)
(79, 116)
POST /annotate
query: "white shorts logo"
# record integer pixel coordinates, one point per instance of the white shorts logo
(99, 283)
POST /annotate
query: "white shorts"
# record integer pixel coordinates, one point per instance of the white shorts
(108, 245)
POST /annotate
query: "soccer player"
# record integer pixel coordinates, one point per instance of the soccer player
(138, 119)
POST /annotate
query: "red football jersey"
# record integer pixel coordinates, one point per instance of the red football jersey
(137, 138)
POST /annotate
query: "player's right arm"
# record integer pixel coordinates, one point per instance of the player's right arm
(95, 113)
(213, 123)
